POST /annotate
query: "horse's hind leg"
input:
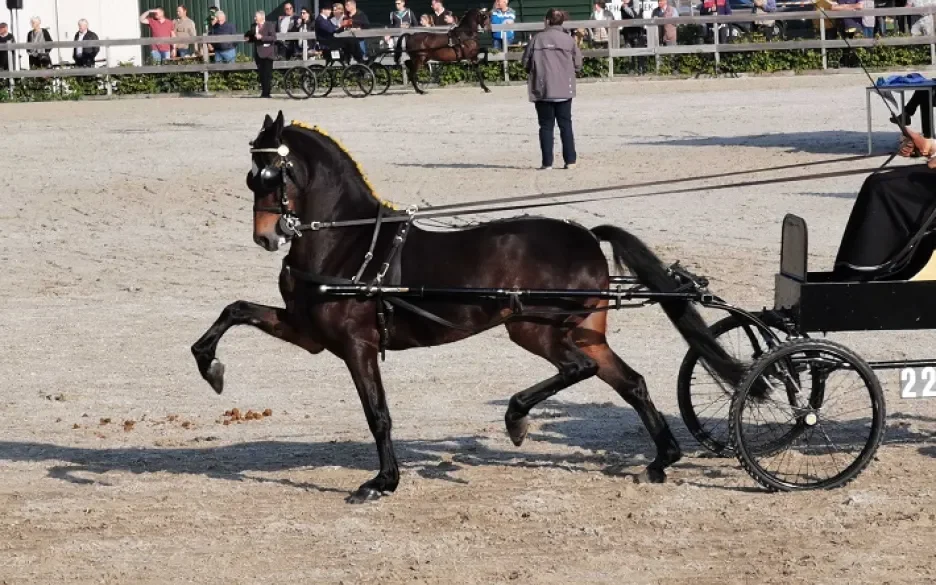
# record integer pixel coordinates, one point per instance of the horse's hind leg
(270, 320)
(414, 64)
(480, 74)
(552, 343)
(590, 336)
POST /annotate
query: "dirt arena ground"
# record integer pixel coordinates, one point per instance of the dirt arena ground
(125, 229)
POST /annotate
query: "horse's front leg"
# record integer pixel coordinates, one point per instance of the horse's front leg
(270, 320)
(480, 74)
(361, 359)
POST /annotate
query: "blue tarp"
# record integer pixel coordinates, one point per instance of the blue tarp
(909, 79)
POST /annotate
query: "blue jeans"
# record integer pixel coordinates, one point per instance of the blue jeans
(159, 56)
(549, 114)
(225, 56)
(183, 52)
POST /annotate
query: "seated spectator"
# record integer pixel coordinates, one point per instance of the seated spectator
(38, 58)
(337, 14)
(325, 30)
(160, 27)
(664, 10)
(224, 52)
(5, 56)
(84, 56)
(502, 15)
(355, 20)
(425, 20)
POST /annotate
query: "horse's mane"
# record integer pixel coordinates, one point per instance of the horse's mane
(346, 155)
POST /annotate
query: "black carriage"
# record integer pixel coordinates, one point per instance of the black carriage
(784, 438)
(357, 80)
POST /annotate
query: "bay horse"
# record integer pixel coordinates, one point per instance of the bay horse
(458, 44)
(300, 172)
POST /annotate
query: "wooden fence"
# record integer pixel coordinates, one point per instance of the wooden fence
(612, 51)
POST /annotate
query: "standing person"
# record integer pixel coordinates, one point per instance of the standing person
(184, 27)
(664, 10)
(84, 57)
(38, 58)
(160, 27)
(287, 23)
(223, 52)
(551, 60)
(263, 35)
(6, 57)
(502, 14)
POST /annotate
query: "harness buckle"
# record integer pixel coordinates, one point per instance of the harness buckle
(315, 226)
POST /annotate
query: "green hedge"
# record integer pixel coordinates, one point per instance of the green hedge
(34, 89)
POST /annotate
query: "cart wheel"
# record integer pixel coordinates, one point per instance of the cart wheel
(817, 427)
(324, 79)
(382, 78)
(300, 83)
(357, 80)
(704, 399)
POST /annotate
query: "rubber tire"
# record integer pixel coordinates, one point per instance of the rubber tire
(324, 78)
(718, 447)
(383, 77)
(763, 477)
(302, 73)
(365, 71)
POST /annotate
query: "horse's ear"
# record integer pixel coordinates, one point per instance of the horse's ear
(278, 124)
(267, 121)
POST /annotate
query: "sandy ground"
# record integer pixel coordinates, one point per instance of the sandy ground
(125, 229)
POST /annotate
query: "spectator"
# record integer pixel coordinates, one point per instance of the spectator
(5, 56)
(263, 36)
(440, 16)
(211, 19)
(502, 15)
(325, 29)
(600, 12)
(721, 7)
(401, 17)
(224, 52)
(184, 27)
(356, 20)
(924, 26)
(306, 24)
(664, 10)
(160, 27)
(38, 58)
(287, 23)
(84, 57)
(337, 14)
(425, 20)
(849, 26)
(762, 6)
(551, 60)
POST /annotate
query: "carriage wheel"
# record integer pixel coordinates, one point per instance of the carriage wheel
(704, 399)
(300, 83)
(357, 80)
(818, 427)
(324, 79)
(382, 78)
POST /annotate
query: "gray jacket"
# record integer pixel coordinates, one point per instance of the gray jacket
(551, 60)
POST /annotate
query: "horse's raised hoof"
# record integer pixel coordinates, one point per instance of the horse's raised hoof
(650, 475)
(365, 494)
(517, 428)
(215, 375)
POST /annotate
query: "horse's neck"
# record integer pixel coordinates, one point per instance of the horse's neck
(335, 251)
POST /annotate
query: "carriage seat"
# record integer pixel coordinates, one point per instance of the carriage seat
(915, 260)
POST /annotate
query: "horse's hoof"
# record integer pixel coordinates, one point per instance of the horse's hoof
(215, 376)
(649, 475)
(517, 428)
(364, 494)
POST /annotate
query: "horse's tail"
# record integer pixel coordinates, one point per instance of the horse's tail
(398, 49)
(631, 252)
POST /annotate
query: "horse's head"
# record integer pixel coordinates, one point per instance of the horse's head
(476, 19)
(269, 179)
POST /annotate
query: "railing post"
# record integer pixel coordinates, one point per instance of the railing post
(206, 61)
(107, 78)
(614, 41)
(715, 43)
(932, 15)
(653, 42)
(822, 39)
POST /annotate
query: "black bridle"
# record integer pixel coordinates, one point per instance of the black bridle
(272, 178)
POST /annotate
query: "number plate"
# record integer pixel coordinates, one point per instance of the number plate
(336, 54)
(918, 382)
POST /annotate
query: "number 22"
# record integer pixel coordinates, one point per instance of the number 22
(908, 379)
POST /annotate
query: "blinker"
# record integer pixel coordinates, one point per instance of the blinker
(270, 178)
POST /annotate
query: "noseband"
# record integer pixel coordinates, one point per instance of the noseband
(273, 177)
